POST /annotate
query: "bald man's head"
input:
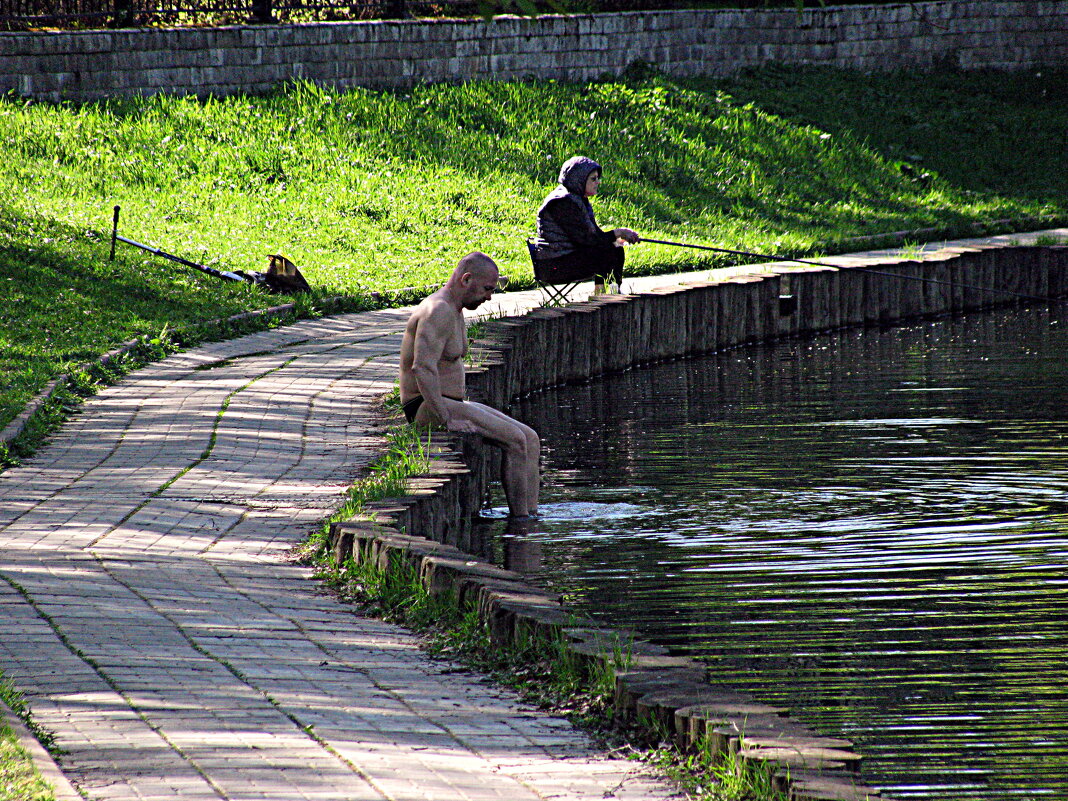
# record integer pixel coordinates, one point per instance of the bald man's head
(475, 277)
(476, 263)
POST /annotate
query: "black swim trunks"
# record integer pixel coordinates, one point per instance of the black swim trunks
(411, 407)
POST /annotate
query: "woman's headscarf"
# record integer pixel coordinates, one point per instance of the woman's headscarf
(551, 240)
(575, 172)
(573, 176)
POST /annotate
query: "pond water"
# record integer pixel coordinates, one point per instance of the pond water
(869, 528)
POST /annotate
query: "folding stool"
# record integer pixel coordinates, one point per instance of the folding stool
(555, 293)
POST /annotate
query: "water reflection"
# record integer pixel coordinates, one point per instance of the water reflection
(870, 528)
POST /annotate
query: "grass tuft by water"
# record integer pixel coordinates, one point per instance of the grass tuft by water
(708, 775)
(1047, 240)
(407, 454)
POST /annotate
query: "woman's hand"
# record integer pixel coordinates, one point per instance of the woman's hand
(626, 235)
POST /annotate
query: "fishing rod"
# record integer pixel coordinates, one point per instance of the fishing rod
(766, 257)
(282, 275)
(115, 237)
(202, 267)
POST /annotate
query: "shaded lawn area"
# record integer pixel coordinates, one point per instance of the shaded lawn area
(62, 303)
(991, 133)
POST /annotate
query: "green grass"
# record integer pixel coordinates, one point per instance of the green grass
(542, 669)
(986, 134)
(378, 190)
(707, 775)
(19, 779)
(407, 453)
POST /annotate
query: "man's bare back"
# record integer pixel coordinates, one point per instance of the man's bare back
(432, 379)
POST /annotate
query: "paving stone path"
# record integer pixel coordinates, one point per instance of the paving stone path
(151, 615)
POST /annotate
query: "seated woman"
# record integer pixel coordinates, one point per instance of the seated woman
(570, 246)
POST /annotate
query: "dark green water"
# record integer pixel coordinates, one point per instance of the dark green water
(869, 528)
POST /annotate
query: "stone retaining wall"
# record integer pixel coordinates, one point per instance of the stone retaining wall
(969, 34)
(429, 528)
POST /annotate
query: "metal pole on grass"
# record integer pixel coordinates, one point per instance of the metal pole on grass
(114, 231)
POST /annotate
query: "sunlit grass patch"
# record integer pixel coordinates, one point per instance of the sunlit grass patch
(375, 189)
(19, 779)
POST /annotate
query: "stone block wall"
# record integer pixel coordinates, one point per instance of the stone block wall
(970, 34)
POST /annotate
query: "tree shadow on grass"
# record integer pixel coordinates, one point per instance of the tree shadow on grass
(62, 302)
(995, 133)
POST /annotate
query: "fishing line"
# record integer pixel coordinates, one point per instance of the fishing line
(766, 257)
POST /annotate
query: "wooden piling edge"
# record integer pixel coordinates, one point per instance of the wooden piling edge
(430, 529)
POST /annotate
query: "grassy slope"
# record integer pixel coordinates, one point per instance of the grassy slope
(988, 133)
(375, 190)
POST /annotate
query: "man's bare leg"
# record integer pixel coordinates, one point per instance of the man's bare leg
(522, 496)
(522, 456)
(521, 445)
(522, 474)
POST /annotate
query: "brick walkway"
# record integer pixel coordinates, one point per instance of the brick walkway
(152, 618)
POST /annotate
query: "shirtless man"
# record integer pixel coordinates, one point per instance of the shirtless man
(432, 379)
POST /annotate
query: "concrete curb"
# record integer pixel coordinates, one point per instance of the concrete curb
(42, 760)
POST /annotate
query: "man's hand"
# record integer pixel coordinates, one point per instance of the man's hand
(626, 235)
